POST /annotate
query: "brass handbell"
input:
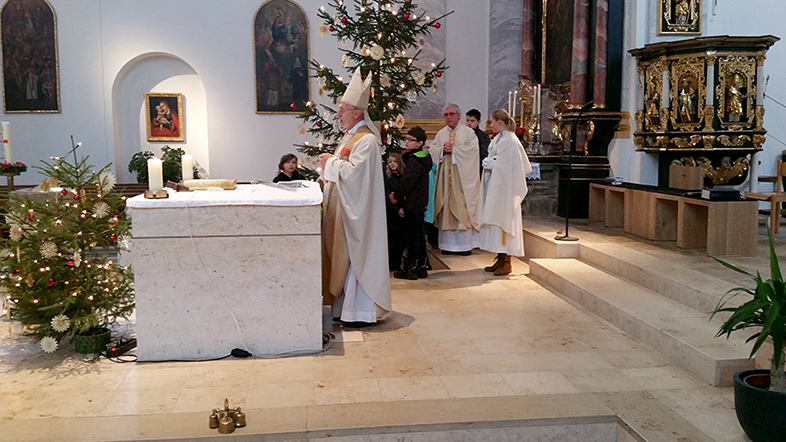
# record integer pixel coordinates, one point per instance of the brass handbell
(240, 418)
(227, 425)
(213, 419)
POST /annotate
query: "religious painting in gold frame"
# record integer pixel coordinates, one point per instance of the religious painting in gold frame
(556, 41)
(687, 93)
(679, 17)
(31, 81)
(281, 57)
(165, 120)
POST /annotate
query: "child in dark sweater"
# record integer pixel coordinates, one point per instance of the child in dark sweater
(412, 196)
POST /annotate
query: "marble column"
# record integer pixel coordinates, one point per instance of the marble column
(528, 43)
(578, 71)
(601, 55)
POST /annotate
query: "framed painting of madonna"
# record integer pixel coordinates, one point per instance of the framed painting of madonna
(281, 56)
(679, 17)
(165, 120)
(30, 71)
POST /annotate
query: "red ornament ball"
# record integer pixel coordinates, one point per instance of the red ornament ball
(406, 16)
(319, 124)
(437, 25)
(343, 20)
(64, 192)
(30, 217)
(70, 263)
(113, 238)
(51, 283)
(439, 74)
(293, 106)
(76, 197)
(332, 29)
(117, 213)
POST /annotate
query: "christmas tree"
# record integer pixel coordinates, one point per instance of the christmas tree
(57, 264)
(383, 39)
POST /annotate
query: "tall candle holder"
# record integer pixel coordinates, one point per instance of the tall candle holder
(10, 178)
(535, 146)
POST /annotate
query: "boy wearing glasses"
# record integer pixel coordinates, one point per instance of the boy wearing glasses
(412, 195)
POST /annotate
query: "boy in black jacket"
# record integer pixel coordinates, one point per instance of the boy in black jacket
(412, 196)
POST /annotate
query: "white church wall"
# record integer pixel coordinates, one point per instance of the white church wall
(100, 42)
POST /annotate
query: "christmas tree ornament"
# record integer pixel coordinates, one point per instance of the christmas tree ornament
(437, 25)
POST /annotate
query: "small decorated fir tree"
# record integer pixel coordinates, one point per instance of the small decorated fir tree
(56, 265)
(383, 38)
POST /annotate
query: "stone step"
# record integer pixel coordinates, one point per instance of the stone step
(669, 278)
(682, 334)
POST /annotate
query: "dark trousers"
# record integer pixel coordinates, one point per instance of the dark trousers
(413, 232)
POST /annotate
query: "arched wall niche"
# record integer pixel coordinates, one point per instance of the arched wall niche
(156, 72)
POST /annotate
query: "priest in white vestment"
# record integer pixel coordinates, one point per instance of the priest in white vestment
(455, 151)
(502, 188)
(355, 275)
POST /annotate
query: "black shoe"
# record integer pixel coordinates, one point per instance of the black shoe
(411, 274)
(421, 266)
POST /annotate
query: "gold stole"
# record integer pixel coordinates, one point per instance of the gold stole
(457, 203)
(335, 254)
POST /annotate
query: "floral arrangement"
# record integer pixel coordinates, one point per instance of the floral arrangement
(12, 168)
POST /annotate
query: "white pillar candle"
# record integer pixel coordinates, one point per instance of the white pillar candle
(537, 99)
(155, 174)
(188, 166)
(515, 100)
(510, 98)
(7, 152)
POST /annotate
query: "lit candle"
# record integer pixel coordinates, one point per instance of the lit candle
(510, 97)
(537, 100)
(155, 174)
(9, 154)
(188, 166)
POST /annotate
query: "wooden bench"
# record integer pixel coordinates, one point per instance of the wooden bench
(657, 214)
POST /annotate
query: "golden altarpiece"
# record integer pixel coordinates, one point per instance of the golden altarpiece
(701, 103)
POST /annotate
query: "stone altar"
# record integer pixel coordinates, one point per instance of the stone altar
(232, 269)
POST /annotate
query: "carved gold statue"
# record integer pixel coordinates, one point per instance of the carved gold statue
(687, 102)
(735, 99)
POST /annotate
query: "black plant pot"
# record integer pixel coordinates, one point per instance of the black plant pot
(92, 341)
(762, 413)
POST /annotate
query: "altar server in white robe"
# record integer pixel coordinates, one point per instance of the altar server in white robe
(355, 276)
(455, 151)
(502, 188)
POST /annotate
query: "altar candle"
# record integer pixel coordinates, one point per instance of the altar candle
(9, 154)
(510, 98)
(536, 99)
(188, 167)
(155, 174)
(515, 97)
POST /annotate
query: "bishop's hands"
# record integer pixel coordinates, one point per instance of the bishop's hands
(323, 157)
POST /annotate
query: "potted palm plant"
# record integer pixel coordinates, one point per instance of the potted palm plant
(760, 395)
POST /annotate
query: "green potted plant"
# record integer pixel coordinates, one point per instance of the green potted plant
(760, 395)
(57, 264)
(171, 158)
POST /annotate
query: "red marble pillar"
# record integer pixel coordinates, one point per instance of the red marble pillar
(578, 71)
(528, 43)
(601, 47)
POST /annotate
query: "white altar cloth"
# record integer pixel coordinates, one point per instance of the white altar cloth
(270, 194)
(217, 270)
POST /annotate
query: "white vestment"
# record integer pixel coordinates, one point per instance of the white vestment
(457, 187)
(502, 189)
(357, 181)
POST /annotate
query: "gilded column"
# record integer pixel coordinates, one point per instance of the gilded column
(578, 71)
(601, 48)
(528, 44)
